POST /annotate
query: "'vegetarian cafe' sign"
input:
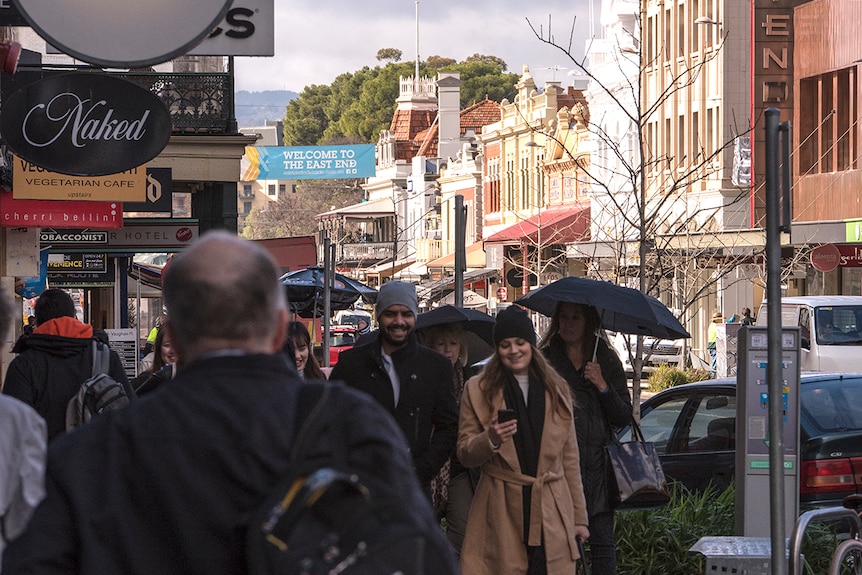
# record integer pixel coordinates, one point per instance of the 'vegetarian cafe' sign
(85, 124)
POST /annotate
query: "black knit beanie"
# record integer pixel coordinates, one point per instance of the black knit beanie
(514, 322)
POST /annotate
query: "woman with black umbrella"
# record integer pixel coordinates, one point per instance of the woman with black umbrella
(601, 402)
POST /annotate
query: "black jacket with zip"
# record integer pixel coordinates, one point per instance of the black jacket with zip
(426, 411)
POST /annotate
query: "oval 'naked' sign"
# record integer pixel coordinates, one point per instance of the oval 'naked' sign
(85, 124)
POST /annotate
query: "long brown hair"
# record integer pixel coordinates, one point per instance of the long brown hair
(298, 333)
(592, 323)
(493, 377)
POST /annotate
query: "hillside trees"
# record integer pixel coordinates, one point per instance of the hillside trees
(360, 104)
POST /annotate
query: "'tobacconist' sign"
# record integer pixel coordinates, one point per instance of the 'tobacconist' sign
(85, 124)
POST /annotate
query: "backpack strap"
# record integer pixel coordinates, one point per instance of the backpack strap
(101, 358)
(315, 418)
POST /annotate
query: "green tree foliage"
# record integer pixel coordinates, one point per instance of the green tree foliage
(305, 119)
(359, 105)
(488, 59)
(481, 78)
(389, 55)
(437, 62)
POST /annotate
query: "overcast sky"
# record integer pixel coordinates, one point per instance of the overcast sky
(317, 40)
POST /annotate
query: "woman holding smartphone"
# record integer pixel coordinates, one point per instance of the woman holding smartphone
(528, 509)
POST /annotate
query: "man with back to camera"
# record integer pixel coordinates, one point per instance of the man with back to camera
(165, 485)
(55, 360)
(413, 382)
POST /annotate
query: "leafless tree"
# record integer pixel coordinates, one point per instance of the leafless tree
(647, 205)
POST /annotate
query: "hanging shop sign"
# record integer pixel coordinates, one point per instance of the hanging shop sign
(159, 193)
(137, 236)
(124, 33)
(248, 29)
(47, 214)
(30, 182)
(80, 270)
(825, 258)
(85, 124)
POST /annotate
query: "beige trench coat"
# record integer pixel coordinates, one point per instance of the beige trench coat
(493, 544)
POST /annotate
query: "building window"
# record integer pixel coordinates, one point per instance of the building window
(282, 189)
(246, 208)
(246, 189)
(270, 189)
(827, 131)
(510, 184)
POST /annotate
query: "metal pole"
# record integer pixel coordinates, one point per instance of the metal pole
(773, 336)
(327, 290)
(460, 249)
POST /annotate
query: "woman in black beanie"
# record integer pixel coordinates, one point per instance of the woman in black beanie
(529, 505)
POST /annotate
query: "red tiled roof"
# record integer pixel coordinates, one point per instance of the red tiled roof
(479, 114)
(472, 117)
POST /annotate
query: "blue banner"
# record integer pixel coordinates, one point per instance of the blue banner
(309, 162)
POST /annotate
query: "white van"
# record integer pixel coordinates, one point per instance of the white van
(830, 328)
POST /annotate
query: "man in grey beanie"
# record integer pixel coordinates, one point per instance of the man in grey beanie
(410, 380)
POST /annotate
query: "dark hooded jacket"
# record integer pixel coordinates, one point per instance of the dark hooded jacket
(53, 363)
(595, 415)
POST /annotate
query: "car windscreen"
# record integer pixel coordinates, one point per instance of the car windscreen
(839, 325)
(833, 405)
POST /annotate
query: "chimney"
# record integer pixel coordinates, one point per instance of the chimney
(449, 109)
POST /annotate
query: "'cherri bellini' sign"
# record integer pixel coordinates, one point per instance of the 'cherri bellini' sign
(85, 124)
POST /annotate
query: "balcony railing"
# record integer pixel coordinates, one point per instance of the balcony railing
(365, 251)
(199, 102)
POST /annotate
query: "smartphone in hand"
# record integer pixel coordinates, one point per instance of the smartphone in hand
(504, 415)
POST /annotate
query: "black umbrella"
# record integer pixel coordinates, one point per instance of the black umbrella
(305, 292)
(622, 309)
(478, 326)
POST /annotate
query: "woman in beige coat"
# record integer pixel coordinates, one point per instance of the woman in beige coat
(529, 505)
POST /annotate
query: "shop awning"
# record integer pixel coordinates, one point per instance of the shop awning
(558, 226)
(366, 210)
(436, 289)
(148, 275)
(475, 258)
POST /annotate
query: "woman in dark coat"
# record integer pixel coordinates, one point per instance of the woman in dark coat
(598, 383)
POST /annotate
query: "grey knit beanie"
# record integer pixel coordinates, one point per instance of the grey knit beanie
(397, 293)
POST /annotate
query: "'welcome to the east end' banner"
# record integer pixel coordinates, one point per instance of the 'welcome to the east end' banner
(308, 162)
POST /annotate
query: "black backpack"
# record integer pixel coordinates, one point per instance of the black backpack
(326, 518)
(99, 393)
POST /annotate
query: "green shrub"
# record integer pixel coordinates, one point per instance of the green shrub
(658, 541)
(664, 377)
(692, 374)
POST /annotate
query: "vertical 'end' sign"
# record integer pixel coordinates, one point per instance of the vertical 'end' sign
(85, 124)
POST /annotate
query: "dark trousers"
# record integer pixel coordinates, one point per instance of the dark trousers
(603, 553)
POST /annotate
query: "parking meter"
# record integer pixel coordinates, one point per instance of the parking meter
(752, 431)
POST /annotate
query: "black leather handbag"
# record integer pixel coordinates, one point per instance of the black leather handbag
(640, 480)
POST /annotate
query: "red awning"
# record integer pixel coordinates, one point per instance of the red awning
(559, 226)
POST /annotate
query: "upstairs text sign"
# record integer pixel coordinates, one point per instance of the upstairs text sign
(85, 124)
